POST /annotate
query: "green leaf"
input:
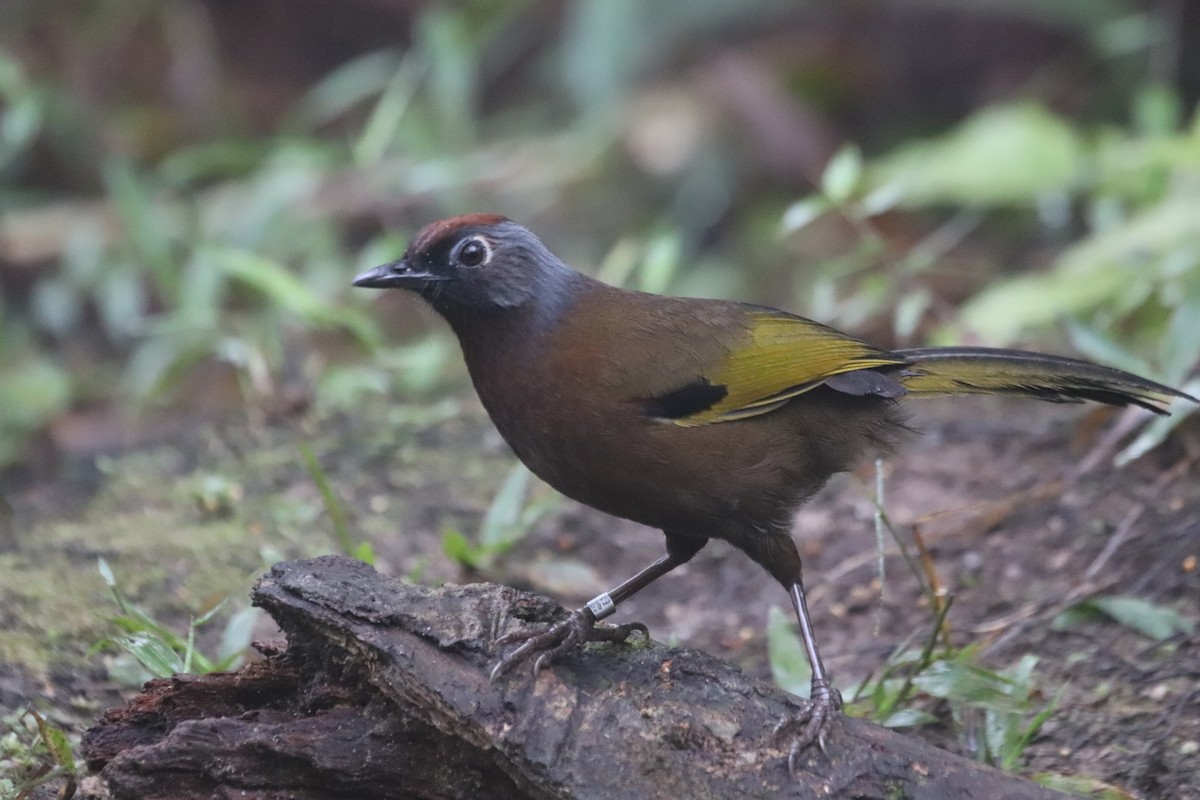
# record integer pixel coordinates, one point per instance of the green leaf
(202, 292)
(1105, 350)
(1160, 427)
(1181, 350)
(154, 655)
(953, 680)
(290, 293)
(158, 357)
(382, 128)
(907, 718)
(660, 263)
(21, 110)
(881, 199)
(1078, 785)
(121, 301)
(125, 670)
(364, 552)
(342, 388)
(56, 305)
(31, 395)
(910, 310)
(206, 162)
(1018, 736)
(1154, 621)
(1116, 269)
(144, 220)
(501, 527)
(801, 214)
(347, 86)
(32, 392)
(204, 618)
(1000, 156)
(1157, 110)
(333, 505)
(419, 366)
(106, 573)
(843, 175)
(235, 639)
(128, 624)
(453, 58)
(603, 47)
(1021, 675)
(457, 548)
(56, 742)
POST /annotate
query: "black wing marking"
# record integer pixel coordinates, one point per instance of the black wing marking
(685, 401)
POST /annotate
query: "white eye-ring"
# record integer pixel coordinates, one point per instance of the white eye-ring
(473, 252)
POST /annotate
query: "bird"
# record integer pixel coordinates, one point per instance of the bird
(706, 419)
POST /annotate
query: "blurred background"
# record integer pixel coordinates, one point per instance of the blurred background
(190, 390)
(186, 186)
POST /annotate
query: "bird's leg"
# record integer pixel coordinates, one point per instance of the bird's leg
(824, 701)
(778, 554)
(581, 627)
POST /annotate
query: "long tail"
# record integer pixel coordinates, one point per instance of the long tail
(982, 370)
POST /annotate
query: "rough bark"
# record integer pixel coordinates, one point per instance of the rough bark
(383, 691)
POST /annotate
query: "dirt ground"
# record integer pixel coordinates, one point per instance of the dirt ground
(1014, 537)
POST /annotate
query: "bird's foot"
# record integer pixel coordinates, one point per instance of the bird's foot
(812, 724)
(552, 642)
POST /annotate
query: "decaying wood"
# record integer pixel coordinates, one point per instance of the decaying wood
(383, 691)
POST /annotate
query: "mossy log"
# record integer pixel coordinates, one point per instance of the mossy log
(383, 691)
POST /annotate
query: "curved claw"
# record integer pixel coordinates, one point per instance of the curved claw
(812, 724)
(559, 638)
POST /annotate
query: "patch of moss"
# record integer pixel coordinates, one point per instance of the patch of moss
(176, 551)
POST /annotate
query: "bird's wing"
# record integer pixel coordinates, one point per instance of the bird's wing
(779, 357)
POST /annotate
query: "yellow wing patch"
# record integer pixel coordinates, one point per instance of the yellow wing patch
(780, 357)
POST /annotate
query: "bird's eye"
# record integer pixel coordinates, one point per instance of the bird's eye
(474, 252)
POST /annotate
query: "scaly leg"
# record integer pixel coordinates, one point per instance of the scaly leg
(778, 554)
(824, 701)
(580, 626)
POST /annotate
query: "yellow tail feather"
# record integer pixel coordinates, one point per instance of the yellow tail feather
(981, 370)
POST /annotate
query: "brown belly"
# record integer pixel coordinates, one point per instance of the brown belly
(701, 480)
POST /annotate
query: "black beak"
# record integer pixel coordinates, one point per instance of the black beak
(396, 274)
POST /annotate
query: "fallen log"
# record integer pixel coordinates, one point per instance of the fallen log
(383, 691)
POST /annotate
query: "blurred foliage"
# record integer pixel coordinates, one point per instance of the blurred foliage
(513, 512)
(1152, 621)
(152, 650)
(1128, 282)
(996, 713)
(162, 213)
(336, 511)
(169, 235)
(34, 752)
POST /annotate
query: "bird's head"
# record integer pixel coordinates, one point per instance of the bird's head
(481, 261)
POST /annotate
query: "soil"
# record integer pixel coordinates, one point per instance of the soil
(1013, 535)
